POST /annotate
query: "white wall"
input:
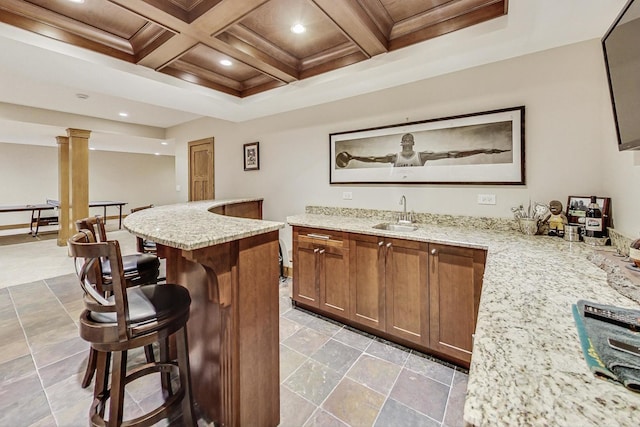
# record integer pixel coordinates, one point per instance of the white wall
(29, 175)
(570, 144)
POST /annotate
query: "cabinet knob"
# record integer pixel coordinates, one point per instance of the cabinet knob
(321, 251)
(380, 243)
(434, 251)
(316, 250)
(389, 244)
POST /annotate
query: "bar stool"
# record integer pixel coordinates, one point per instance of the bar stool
(139, 269)
(130, 318)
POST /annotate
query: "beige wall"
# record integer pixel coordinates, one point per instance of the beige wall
(570, 141)
(29, 175)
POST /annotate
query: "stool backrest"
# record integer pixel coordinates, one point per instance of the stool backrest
(95, 224)
(87, 254)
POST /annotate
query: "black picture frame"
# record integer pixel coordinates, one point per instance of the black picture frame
(479, 148)
(251, 156)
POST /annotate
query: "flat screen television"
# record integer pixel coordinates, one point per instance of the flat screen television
(621, 47)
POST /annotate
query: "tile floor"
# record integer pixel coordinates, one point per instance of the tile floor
(330, 375)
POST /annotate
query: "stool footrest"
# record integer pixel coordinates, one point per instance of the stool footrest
(96, 412)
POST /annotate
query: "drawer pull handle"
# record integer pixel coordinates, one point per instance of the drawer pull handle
(434, 251)
(319, 236)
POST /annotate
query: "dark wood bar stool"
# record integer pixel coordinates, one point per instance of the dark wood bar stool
(131, 317)
(139, 269)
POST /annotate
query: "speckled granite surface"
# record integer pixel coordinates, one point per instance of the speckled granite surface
(527, 366)
(191, 226)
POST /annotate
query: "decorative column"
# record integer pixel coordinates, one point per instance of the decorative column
(79, 173)
(64, 229)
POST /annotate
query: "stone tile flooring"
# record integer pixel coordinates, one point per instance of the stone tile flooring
(330, 375)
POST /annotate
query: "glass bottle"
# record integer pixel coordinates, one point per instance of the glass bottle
(593, 226)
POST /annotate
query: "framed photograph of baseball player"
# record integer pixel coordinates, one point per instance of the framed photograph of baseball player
(480, 148)
(251, 156)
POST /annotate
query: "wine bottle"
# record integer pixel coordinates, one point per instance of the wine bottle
(593, 226)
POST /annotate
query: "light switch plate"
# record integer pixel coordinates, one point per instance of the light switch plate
(347, 195)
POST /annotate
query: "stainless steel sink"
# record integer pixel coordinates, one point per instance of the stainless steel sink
(390, 226)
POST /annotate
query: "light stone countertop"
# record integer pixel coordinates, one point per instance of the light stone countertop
(191, 226)
(527, 367)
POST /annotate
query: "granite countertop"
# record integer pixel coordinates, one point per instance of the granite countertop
(527, 366)
(192, 226)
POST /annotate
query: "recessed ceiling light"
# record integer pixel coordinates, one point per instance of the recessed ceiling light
(91, 148)
(164, 143)
(157, 154)
(298, 28)
(77, 1)
(82, 96)
(123, 114)
(225, 62)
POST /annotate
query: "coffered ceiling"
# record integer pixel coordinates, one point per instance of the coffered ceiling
(188, 39)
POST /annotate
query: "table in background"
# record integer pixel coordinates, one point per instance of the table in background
(102, 204)
(36, 215)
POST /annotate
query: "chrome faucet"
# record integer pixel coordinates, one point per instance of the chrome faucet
(404, 217)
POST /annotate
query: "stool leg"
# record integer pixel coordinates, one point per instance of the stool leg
(182, 345)
(118, 374)
(165, 377)
(102, 372)
(91, 367)
(148, 352)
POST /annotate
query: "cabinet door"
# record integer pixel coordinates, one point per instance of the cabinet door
(334, 280)
(306, 274)
(407, 292)
(366, 282)
(455, 283)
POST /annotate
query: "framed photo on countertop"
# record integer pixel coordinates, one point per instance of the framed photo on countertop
(577, 209)
(251, 156)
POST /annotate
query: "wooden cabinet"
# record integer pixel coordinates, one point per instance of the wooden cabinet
(407, 290)
(367, 281)
(423, 295)
(321, 270)
(455, 284)
(389, 289)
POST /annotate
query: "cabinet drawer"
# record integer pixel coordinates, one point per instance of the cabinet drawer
(322, 237)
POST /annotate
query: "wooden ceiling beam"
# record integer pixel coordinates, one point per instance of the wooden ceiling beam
(225, 14)
(356, 24)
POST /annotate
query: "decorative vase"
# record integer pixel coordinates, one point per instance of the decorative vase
(528, 226)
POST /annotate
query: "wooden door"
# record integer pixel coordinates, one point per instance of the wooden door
(455, 283)
(407, 292)
(306, 273)
(201, 168)
(334, 278)
(366, 280)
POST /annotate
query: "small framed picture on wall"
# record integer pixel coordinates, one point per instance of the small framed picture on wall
(251, 156)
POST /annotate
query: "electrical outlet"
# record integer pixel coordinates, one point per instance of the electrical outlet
(347, 195)
(486, 199)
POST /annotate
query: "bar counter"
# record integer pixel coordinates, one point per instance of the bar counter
(527, 367)
(228, 259)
